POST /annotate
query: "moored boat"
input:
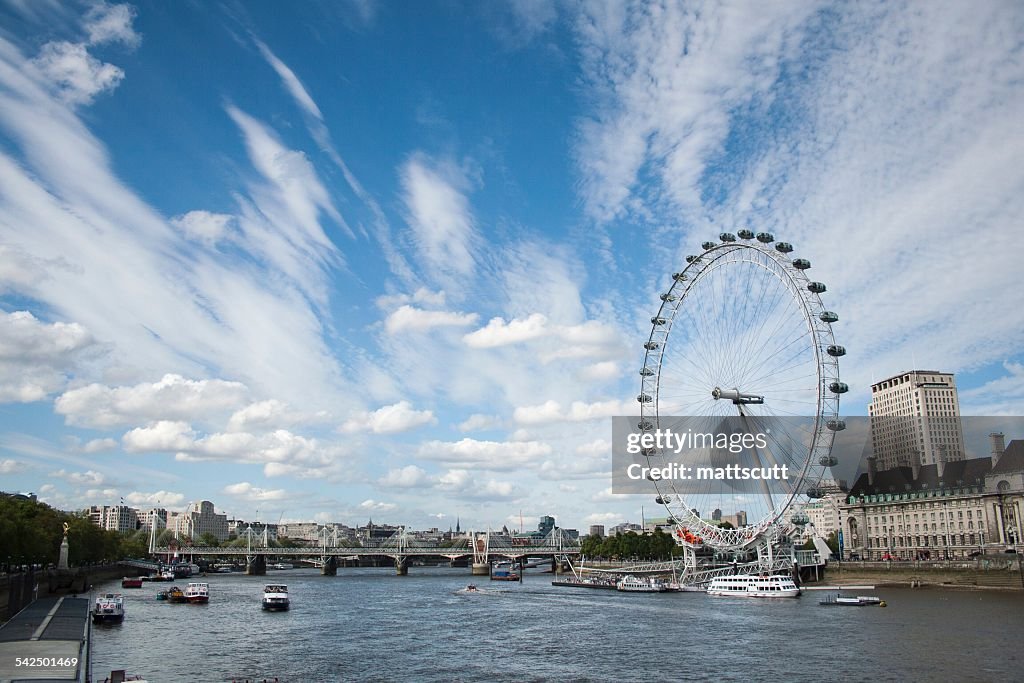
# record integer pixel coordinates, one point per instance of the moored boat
(108, 608)
(851, 601)
(635, 584)
(275, 597)
(751, 586)
(504, 571)
(131, 582)
(197, 593)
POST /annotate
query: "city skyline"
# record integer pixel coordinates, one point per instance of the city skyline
(399, 262)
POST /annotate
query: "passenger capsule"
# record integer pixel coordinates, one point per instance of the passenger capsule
(829, 316)
(707, 245)
(658, 321)
(816, 287)
(801, 264)
(727, 237)
(746, 234)
(668, 296)
(784, 247)
(659, 500)
(652, 346)
(649, 451)
(828, 461)
(836, 425)
(644, 398)
(835, 350)
(838, 387)
(800, 519)
(644, 425)
(765, 237)
(680, 277)
(815, 492)
(647, 372)
(692, 259)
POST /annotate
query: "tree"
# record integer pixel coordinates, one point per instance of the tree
(208, 540)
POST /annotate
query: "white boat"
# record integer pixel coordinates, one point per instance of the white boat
(275, 597)
(282, 565)
(634, 584)
(850, 601)
(108, 608)
(751, 586)
(197, 593)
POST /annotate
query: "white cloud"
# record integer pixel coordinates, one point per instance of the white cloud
(99, 445)
(598, 447)
(492, 455)
(409, 476)
(8, 466)
(371, 505)
(480, 422)
(157, 498)
(36, 357)
(399, 417)
(171, 398)
(249, 492)
(87, 478)
(579, 411)
(420, 296)
(499, 333)
(459, 482)
(77, 75)
(611, 518)
(106, 23)
(603, 370)
(418, 319)
(439, 215)
(270, 414)
(204, 226)
(160, 436)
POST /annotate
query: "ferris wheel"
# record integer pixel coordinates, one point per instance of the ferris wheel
(742, 337)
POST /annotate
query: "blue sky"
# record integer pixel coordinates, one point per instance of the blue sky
(353, 259)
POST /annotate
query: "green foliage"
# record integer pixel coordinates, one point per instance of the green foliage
(656, 546)
(208, 540)
(31, 533)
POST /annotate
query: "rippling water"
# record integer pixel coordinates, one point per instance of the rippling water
(370, 625)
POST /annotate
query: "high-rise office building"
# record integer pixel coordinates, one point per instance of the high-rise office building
(915, 420)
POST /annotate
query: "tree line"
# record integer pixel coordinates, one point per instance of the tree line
(630, 545)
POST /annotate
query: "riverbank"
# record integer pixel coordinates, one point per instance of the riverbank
(20, 589)
(897, 576)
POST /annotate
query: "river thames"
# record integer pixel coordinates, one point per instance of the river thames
(370, 625)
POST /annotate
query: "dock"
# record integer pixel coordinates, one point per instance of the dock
(51, 639)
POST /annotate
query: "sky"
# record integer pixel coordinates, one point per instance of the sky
(347, 260)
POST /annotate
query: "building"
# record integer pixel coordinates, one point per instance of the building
(942, 510)
(737, 520)
(597, 530)
(915, 419)
(157, 516)
(547, 523)
(201, 518)
(114, 517)
(624, 528)
(824, 513)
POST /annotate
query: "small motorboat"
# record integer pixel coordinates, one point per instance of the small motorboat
(108, 609)
(175, 594)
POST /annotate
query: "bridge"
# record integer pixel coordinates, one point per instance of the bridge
(557, 547)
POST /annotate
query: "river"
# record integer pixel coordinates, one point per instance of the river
(370, 625)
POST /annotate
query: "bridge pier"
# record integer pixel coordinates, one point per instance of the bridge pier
(481, 569)
(257, 566)
(401, 566)
(330, 566)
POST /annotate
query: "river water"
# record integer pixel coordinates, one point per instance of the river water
(370, 625)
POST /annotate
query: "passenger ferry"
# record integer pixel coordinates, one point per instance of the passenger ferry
(197, 593)
(633, 584)
(750, 586)
(275, 597)
(108, 608)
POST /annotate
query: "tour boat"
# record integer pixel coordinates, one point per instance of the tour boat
(634, 584)
(751, 586)
(131, 582)
(108, 608)
(196, 593)
(504, 571)
(275, 597)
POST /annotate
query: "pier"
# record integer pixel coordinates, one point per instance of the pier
(47, 641)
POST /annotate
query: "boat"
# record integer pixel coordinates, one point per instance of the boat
(851, 601)
(504, 571)
(275, 597)
(197, 593)
(471, 589)
(635, 584)
(108, 609)
(131, 582)
(281, 565)
(751, 586)
(175, 594)
(600, 582)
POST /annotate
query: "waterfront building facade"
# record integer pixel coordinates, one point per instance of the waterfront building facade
(597, 530)
(944, 510)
